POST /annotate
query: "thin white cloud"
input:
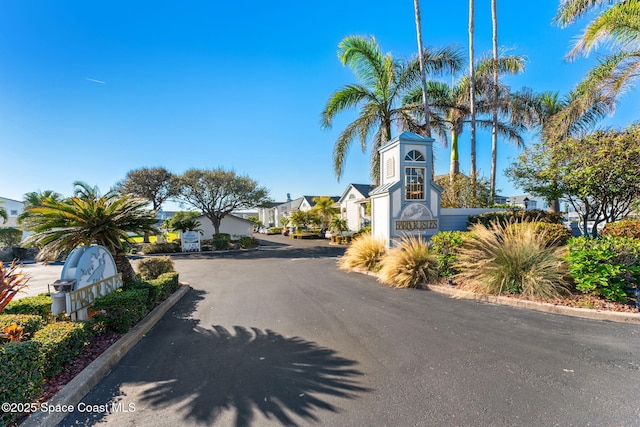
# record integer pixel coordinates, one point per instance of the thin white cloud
(95, 81)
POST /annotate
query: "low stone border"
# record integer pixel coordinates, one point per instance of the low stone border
(78, 387)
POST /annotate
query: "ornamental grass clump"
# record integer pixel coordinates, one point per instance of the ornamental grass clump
(364, 252)
(499, 260)
(410, 263)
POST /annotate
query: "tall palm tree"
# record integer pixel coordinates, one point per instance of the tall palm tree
(383, 82)
(423, 74)
(496, 80)
(472, 95)
(451, 104)
(105, 220)
(617, 24)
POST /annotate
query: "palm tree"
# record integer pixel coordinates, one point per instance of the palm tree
(106, 220)
(383, 82)
(324, 207)
(35, 198)
(496, 80)
(617, 24)
(472, 96)
(423, 74)
(451, 104)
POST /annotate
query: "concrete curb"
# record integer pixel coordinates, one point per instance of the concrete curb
(586, 313)
(77, 388)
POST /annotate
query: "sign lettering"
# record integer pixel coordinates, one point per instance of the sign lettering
(426, 224)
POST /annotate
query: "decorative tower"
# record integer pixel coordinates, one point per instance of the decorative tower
(407, 201)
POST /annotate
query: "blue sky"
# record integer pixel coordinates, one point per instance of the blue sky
(91, 90)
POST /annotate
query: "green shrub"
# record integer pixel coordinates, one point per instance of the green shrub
(511, 260)
(274, 230)
(169, 282)
(365, 251)
(625, 228)
(121, 309)
(445, 245)
(555, 234)
(21, 379)
(154, 292)
(246, 242)
(153, 267)
(39, 305)
(160, 248)
(61, 342)
(511, 216)
(221, 241)
(606, 267)
(30, 323)
(410, 263)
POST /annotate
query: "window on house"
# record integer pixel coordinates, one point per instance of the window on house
(414, 183)
(13, 213)
(414, 156)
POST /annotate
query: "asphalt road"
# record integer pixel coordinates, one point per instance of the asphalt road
(281, 337)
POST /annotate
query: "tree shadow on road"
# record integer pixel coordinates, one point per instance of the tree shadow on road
(203, 372)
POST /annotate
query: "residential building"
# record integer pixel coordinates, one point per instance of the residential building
(353, 205)
(13, 208)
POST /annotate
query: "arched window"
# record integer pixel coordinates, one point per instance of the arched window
(414, 156)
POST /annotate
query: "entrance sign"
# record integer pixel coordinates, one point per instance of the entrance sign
(407, 201)
(88, 273)
(190, 241)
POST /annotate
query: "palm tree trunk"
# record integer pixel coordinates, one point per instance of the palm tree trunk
(494, 127)
(472, 97)
(124, 266)
(423, 76)
(454, 165)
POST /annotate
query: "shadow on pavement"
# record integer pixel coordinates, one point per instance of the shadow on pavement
(242, 370)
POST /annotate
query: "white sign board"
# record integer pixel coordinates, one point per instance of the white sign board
(190, 241)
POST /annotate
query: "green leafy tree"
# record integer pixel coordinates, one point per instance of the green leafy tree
(216, 193)
(325, 208)
(89, 218)
(596, 174)
(153, 184)
(182, 216)
(458, 193)
(256, 221)
(304, 219)
(3, 214)
(383, 81)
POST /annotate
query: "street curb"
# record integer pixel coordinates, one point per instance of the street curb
(545, 307)
(585, 313)
(78, 387)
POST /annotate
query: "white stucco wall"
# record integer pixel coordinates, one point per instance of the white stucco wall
(13, 208)
(380, 218)
(236, 227)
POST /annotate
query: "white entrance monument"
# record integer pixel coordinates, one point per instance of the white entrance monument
(88, 273)
(407, 201)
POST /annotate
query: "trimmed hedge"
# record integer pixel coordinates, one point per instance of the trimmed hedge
(515, 215)
(122, 309)
(30, 323)
(21, 379)
(39, 305)
(168, 281)
(160, 248)
(152, 268)
(61, 342)
(606, 267)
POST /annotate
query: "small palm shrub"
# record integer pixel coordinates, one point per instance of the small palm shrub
(445, 245)
(152, 268)
(410, 263)
(625, 228)
(512, 260)
(364, 252)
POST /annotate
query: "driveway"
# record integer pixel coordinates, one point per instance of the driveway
(281, 337)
